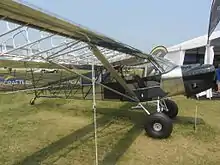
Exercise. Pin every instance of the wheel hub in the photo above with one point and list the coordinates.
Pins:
(157, 127)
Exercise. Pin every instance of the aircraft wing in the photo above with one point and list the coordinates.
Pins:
(24, 14)
(17, 12)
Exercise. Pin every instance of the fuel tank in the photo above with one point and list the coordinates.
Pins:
(188, 80)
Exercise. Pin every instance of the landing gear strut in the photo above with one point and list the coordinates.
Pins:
(157, 125)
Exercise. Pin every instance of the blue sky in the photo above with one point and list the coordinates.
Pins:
(141, 23)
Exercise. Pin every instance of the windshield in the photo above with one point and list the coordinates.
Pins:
(165, 64)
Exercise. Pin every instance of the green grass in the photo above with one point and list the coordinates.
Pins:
(60, 132)
(30, 64)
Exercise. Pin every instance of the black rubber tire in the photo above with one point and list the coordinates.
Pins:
(172, 109)
(164, 120)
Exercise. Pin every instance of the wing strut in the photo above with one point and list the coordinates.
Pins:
(109, 67)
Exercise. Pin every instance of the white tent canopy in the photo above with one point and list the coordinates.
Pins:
(176, 53)
(196, 42)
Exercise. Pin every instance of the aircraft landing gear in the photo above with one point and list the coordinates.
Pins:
(32, 101)
(170, 108)
(158, 125)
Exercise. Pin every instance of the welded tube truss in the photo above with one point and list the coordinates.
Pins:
(67, 51)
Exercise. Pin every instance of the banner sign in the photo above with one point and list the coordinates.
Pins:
(214, 16)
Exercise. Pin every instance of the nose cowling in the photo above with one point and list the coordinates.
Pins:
(198, 78)
(172, 82)
(188, 80)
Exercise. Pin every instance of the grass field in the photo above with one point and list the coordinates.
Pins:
(30, 64)
(60, 132)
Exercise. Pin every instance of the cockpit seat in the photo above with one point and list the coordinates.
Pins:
(148, 90)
